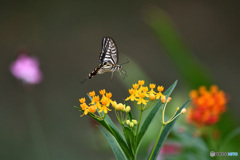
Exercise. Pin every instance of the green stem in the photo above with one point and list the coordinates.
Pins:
(139, 122)
(151, 104)
(156, 142)
(136, 105)
(163, 113)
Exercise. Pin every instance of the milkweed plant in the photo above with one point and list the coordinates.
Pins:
(125, 143)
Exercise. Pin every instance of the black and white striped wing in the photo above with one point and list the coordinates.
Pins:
(109, 52)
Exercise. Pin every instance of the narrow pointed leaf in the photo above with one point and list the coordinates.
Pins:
(114, 145)
(110, 122)
(165, 133)
(130, 138)
(110, 126)
(152, 114)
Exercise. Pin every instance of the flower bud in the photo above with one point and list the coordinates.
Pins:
(114, 104)
(163, 99)
(169, 99)
(121, 107)
(183, 110)
(127, 109)
(127, 122)
(131, 124)
(92, 109)
(152, 97)
(134, 122)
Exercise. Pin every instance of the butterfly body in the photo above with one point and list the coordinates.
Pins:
(104, 68)
(108, 59)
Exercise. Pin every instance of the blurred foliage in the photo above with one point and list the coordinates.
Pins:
(193, 72)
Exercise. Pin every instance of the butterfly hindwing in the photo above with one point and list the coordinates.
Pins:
(103, 67)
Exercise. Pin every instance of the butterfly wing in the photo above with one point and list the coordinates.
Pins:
(109, 52)
(103, 67)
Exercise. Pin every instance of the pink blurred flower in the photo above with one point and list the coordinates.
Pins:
(26, 68)
(171, 149)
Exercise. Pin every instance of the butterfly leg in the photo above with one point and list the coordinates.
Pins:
(124, 73)
(112, 76)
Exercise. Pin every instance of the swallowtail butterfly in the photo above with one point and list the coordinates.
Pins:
(108, 59)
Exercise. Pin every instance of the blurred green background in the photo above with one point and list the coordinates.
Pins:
(66, 37)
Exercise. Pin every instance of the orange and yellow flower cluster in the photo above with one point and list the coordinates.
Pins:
(102, 104)
(142, 94)
(207, 106)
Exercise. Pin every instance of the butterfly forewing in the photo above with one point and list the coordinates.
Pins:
(109, 52)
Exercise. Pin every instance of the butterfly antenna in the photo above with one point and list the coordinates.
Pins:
(83, 80)
(127, 61)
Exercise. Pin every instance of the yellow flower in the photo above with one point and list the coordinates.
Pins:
(105, 100)
(152, 86)
(141, 99)
(82, 100)
(135, 86)
(84, 106)
(145, 89)
(159, 94)
(95, 99)
(105, 109)
(92, 93)
(160, 88)
(132, 96)
(102, 92)
(109, 95)
(85, 112)
(141, 82)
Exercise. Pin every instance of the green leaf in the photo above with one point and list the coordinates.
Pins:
(109, 122)
(194, 73)
(77, 107)
(114, 145)
(130, 137)
(152, 114)
(110, 126)
(229, 137)
(165, 133)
